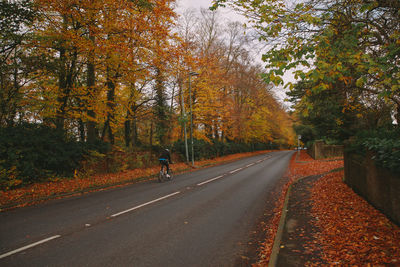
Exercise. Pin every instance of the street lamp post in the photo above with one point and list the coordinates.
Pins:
(192, 73)
(298, 141)
(184, 127)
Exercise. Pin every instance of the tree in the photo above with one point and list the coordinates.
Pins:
(348, 48)
(321, 114)
(229, 96)
(15, 61)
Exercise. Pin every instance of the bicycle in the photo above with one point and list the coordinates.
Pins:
(163, 175)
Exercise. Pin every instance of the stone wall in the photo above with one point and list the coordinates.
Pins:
(320, 150)
(377, 185)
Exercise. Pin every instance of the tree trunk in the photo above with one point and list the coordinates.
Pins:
(151, 136)
(81, 130)
(62, 84)
(160, 110)
(127, 130)
(215, 130)
(111, 107)
(135, 137)
(92, 132)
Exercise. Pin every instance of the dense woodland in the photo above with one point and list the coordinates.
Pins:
(94, 77)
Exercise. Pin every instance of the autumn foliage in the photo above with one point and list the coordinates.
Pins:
(117, 71)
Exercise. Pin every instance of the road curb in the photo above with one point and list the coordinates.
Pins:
(282, 221)
(277, 241)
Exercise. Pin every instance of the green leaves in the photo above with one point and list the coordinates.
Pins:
(32, 152)
(369, 6)
(387, 152)
(360, 82)
(271, 77)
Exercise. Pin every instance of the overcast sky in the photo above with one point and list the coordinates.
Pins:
(195, 4)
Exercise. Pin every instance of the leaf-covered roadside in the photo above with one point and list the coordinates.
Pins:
(301, 165)
(60, 188)
(352, 231)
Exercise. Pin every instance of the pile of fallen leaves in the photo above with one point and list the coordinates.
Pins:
(352, 231)
(65, 187)
(301, 165)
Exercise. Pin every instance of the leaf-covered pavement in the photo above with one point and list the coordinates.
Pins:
(352, 232)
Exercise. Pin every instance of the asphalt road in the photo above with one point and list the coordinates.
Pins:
(203, 218)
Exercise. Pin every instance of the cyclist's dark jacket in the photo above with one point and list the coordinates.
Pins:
(165, 155)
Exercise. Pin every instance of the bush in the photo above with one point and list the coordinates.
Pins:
(208, 150)
(387, 152)
(383, 142)
(33, 152)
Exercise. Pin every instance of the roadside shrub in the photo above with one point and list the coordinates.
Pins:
(383, 142)
(9, 177)
(216, 148)
(387, 152)
(34, 152)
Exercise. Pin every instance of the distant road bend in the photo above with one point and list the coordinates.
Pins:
(203, 218)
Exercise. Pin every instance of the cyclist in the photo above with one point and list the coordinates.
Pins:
(165, 159)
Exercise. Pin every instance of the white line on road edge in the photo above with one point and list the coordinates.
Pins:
(145, 204)
(236, 170)
(251, 164)
(210, 180)
(29, 246)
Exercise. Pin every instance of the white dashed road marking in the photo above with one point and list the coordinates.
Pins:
(29, 246)
(145, 204)
(210, 180)
(236, 170)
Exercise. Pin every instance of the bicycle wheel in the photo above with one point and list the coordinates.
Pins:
(161, 176)
(170, 175)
